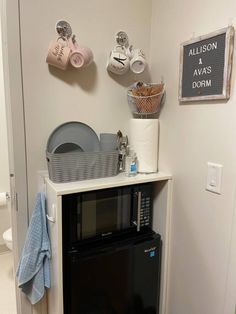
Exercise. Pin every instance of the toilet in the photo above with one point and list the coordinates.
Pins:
(7, 237)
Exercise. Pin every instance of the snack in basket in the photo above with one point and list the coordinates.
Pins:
(141, 91)
(156, 89)
(146, 98)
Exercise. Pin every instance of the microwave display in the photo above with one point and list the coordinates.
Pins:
(106, 212)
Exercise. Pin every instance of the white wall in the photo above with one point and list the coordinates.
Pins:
(4, 164)
(52, 96)
(191, 135)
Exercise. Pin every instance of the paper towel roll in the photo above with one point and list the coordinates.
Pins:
(144, 140)
(3, 199)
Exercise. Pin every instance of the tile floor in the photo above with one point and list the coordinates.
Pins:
(7, 286)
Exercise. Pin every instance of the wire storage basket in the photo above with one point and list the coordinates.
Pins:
(76, 166)
(146, 99)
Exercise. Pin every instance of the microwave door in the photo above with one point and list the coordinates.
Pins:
(88, 212)
(124, 209)
(105, 212)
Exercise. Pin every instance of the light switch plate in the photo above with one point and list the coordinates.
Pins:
(214, 177)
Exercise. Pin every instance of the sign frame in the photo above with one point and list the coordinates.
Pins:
(228, 61)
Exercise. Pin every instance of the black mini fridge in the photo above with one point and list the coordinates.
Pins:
(120, 277)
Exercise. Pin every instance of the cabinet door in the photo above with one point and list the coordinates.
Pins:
(55, 293)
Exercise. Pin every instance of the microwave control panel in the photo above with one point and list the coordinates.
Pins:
(145, 212)
(145, 203)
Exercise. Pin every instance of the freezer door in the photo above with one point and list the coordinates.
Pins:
(121, 280)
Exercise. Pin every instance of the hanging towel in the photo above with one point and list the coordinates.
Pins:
(33, 272)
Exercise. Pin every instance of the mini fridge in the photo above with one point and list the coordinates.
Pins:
(120, 277)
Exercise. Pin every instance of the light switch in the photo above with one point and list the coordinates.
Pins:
(214, 176)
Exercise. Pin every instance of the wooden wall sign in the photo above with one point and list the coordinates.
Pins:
(205, 66)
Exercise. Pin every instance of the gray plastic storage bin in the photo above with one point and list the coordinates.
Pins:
(76, 166)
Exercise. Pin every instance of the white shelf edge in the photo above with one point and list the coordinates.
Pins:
(108, 182)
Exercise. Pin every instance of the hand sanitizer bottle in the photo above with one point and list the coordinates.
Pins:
(131, 164)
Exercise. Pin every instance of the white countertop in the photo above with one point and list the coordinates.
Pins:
(109, 182)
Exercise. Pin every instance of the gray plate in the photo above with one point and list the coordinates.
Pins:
(73, 132)
(67, 148)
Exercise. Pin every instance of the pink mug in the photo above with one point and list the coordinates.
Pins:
(58, 54)
(80, 56)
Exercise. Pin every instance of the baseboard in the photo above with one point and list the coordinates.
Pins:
(3, 249)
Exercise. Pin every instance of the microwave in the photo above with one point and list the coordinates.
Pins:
(105, 213)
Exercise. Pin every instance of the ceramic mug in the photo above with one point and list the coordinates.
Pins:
(59, 54)
(80, 56)
(138, 61)
(118, 62)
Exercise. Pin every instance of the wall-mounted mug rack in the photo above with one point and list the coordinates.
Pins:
(65, 49)
(124, 57)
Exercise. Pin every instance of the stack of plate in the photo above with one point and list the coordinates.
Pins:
(73, 153)
(73, 137)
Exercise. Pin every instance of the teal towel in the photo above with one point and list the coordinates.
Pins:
(33, 271)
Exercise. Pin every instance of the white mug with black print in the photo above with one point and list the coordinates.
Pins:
(118, 62)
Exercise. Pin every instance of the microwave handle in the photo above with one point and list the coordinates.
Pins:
(139, 210)
(136, 222)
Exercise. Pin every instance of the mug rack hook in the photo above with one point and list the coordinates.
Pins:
(63, 29)
(122, 39)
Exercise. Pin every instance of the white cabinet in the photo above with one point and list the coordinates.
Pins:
(161, 224)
